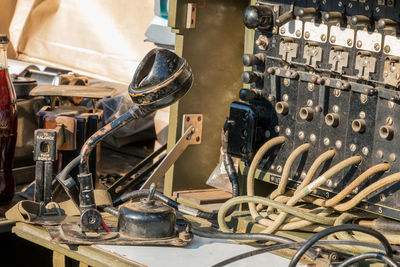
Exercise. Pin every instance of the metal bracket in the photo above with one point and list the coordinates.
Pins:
(391, 71)
(365, 64)
(192, 127)
(288, 50)
(312, 54)
(338, 59)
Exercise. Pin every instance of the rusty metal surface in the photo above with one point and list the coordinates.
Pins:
(71, 233)
(73, 91)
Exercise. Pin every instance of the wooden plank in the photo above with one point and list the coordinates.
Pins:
(90, 255)
(204, 196)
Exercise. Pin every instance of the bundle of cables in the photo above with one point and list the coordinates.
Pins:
(321, 219)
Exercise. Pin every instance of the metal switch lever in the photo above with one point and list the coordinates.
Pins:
(192, 135)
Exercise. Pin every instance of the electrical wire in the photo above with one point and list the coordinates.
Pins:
(268, 202)
(292, 246)
(368, 190)
(348, 189)
(264, 149)
(369, 255)
(286, 169)
(309, 188)
(240, 236)
(349, 227)
(327, 155)
(166, 200)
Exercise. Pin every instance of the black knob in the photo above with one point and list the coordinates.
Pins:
(251, 77)
(247, 94)
(260, 17)
(253, 60)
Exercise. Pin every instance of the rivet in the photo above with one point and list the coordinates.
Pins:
(313, 138)
(277, 129)
(336, 92)
(362, 115)
(333, 39)
(309, 102)
(267, 134)
(307, 35)
(286, 82)
(338, 144)
(391, 104)
(379, 154)
(365, 150)
(392, 157)
(359, 44)
(310, 86)
(282, 30)
(288, 131)
(335, 108)
(298, 33)
(323, 37)
(285, 97)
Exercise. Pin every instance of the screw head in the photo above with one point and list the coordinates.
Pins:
(349, 42)
(333, 39)
(301, 135)
(365, 150)
(336, 92)
(309, 102)
(288, 131)
(377, 47)
(363, 98)
(282, 30)
(279, 168)
(307, 35)
(359, 44)
(326, 141)
(298, 33)
(323, 37)
(387, 49)
(353, 147)
(389, 121)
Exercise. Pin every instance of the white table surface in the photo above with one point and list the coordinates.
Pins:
(200, 252)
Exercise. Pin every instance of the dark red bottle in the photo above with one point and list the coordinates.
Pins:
(8, 126)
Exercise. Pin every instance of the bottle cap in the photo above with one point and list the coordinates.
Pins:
(4, 39)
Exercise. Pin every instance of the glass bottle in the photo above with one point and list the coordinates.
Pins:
(8, 126)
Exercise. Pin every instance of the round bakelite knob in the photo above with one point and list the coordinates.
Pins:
(260, 17)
